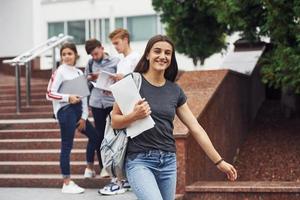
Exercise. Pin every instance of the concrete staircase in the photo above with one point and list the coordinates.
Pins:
(30, 142)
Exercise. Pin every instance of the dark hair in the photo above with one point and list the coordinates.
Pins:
(143, 64)
(120, 33)
(71, 46)
(91, 44)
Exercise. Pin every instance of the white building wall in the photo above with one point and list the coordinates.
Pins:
(24, 25)
(74, 10)
(16, 22)
(79, 10)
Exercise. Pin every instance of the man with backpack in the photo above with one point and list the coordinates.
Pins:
(100, 101)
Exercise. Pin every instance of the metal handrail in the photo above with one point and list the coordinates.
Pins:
(26, 58)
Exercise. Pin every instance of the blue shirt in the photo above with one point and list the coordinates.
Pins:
(99, 98)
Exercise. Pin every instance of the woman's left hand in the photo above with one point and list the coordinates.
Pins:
(81, 125)
(228, 169)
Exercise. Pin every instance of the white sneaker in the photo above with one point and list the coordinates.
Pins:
(111, 189)
(125, 185)
(104, 173)
(72, 188)
(88, 173)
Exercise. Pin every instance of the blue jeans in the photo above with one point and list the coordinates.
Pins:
(152, 175)
(68, 116)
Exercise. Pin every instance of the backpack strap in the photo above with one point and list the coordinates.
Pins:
(90, 63)
(137, 77)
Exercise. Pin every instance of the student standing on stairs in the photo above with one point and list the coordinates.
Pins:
(72, 113)
(120, 38)
(100, 101)
(150, 162)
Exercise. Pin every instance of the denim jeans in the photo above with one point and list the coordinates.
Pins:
(152, 175)
(68, 116)
(100, 115)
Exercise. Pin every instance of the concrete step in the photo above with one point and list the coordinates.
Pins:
(48, 180)
(38, 95)
(39, 155)
(30, 126)
(34, 84)
(33, 89)
(37, 143)
(225, 190)
(41, 101)
(33, 133)
(26, 109)
(30, 113)
(27, 115)
(38, 123)
(42, 167)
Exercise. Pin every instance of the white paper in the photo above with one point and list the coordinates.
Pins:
(105, 80)
(127, 95)
(77, 86)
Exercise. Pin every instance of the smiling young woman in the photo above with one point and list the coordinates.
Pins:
(151, 154)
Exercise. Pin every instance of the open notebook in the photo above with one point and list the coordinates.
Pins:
(105, 80)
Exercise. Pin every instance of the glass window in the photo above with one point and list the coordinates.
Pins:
(100, 34)
(107, 29)
(104, 28)
(119, 22)
(90, 29)
(142, 27)
(55, 28)
(77, 30)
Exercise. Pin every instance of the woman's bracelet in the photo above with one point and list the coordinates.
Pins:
(219, 161)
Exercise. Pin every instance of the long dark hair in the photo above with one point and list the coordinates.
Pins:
(143, 64)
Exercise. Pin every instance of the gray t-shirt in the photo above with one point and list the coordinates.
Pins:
(163, 102)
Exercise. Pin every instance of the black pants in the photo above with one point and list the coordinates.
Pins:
(100, 115)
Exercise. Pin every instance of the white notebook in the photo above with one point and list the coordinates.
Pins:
(127, 95)
(77, 86)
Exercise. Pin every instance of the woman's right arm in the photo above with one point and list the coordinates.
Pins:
(120, 121)
(53, 86)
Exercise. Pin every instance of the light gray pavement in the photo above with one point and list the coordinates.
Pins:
(55, 194)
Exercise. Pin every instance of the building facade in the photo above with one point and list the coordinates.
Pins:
(31, 22)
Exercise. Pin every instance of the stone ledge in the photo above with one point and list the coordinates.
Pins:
(245, 186)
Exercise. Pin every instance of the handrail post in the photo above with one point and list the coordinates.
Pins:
(53, 59)
(28, 83)
(26, 58)
(18, 88)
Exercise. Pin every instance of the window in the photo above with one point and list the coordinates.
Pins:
(119, 22)
(107, 29)
(55, 28)
(77, 30)
(104, 28)
(142, 27)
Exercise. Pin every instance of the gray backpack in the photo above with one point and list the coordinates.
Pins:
(114, 145)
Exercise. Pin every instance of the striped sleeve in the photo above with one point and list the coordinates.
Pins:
(53, 86)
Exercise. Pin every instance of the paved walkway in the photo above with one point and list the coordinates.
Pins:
(55, 194)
